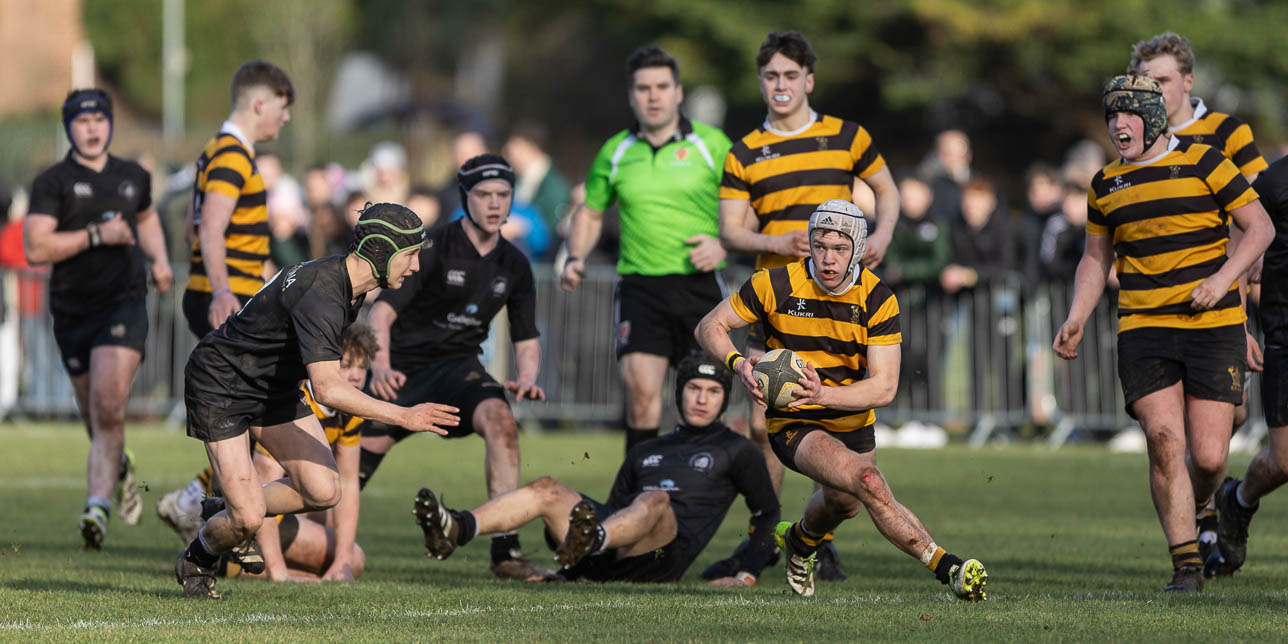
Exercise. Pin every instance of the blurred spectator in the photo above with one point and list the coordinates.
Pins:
(1082, 162)
(424, 203)
(465, 146)
(384, 174)
(287, 219)
(318, 189)
(31, 279)
(946, 171)
(1060, 247)
(539, 183)
(919, 250)
(328, 232)
(983, 247)
(1043, 191)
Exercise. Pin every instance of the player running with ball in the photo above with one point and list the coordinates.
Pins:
(844, 322)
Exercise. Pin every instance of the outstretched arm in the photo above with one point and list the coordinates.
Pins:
(335, 392)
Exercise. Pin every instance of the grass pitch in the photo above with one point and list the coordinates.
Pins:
(1069, 537)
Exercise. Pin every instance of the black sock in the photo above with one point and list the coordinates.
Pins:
(802, 542)
(198, 554)
(468, 526)
(505, 547)
(945, 567)
(367, 464)
(637, 436)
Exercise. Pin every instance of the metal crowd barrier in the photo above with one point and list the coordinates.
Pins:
(977, 361)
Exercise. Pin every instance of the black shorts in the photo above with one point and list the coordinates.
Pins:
(126, 325)
(196, 310)
(1274, 385)
(666, 564)
(657, 314)
(460, 382)
(786, 440)
(214, 414)
(1208, 362)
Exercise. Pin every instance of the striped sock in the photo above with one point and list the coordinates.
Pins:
(1186, 555)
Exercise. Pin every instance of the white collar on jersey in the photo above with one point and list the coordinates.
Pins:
(854, 279)
(231, 128)
(813, 116)
(1172, 142)
(1200, 110)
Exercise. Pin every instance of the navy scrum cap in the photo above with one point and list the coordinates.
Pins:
(479, 169)
(80, 101)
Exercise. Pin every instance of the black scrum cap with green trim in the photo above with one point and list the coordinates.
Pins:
(384, 230)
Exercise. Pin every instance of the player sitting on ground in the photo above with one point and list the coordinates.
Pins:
(841, 318)
(668, 500)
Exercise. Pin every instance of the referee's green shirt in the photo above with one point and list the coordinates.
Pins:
(664, 195)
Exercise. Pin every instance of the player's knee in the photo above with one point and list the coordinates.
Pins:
(1163, 448)
(245, 521)
(1208, 465)
(321, 491)
(871, 487)
(500, 427)
(109, 414)
(546, 486)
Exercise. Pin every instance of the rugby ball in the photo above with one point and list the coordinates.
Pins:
(777, 374)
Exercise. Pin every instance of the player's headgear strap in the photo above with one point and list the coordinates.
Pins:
(80, 101)
(699, 364)
(384, 230)
(477, 170)
(1141, 96)
(845, 218)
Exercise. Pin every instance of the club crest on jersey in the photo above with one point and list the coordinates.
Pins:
(652, 460)
(1174, 172)
(456, 277)
(498, 287)
(856, 314)
(82, 190)
(128, 190)
(822, 142)
(701, 462)
(681, 153)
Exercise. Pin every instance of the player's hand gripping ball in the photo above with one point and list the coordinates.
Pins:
(777, 374)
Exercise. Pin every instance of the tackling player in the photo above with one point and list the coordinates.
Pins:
(663, 173)
(1164, 208)
(775, 176)
(87, 211)
(245, 377)
(667, 502)
(431, 331)
(844, 322)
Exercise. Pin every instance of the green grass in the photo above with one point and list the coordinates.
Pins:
(1069, 537)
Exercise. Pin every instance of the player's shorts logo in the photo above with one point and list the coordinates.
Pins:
(117, 330)
(1236, 382)
(624, 332)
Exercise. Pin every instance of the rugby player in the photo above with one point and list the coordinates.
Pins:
(844, 322)
(1238, 500)
(92, 217)
(776, 175)
(663, 173)
(1169, 59)
(244, 377)
(431, 331)
(1164, 209)
(667, 502)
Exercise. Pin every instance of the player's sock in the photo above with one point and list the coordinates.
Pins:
(468, 526)
(803, 542)
(101, 502)
(505, 546)
(601, 537)
(940, 561)
(1185, 555)
(637, 436)
(367, 464)
(1238, 496)
(199, 553)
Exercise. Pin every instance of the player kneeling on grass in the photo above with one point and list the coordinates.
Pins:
(669, 498)
(245, 376)
(844, 322)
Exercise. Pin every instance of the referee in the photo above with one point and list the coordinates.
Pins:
(663, 172)
(92, 217)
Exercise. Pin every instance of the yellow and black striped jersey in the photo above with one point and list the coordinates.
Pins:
(829, 331)
(227, 167)
(341, 428)
(1227, 134)
(786, 176)
(1170, 226)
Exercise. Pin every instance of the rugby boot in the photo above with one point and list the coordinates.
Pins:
(93, 527)
(583, 531)
(246, 554)
(126, 495)
(523, 569)
(1232, 526)
(968, 579)
(437, 523)
(800, 568)
(197, 582)
(171, 510)
(1186, 580)
(829, 563)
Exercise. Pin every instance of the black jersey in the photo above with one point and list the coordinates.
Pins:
(297, 318)
(1272, 186)
(445, 309)
(704, 470)
(94, 280)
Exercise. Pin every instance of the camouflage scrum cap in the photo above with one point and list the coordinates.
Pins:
(845, 218)
(1141, 96)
